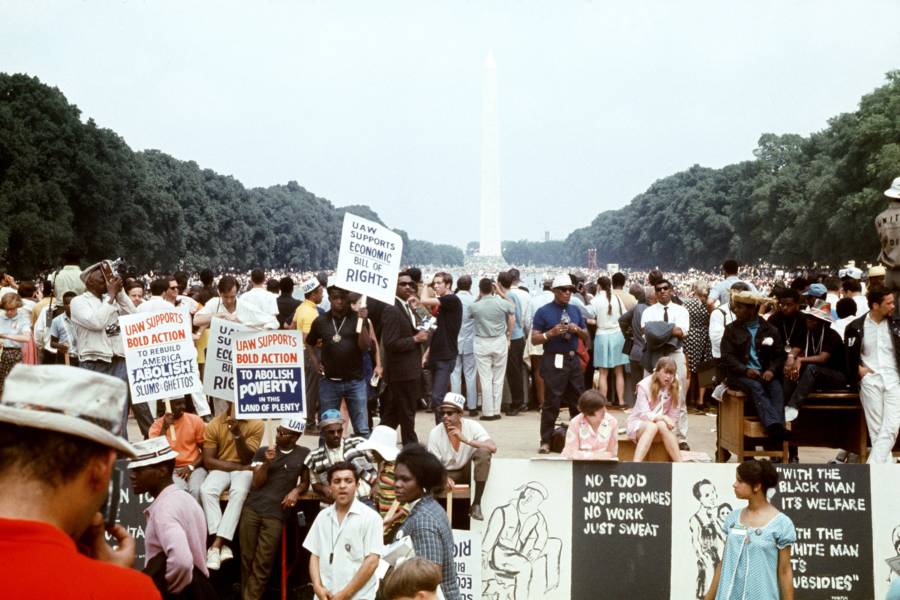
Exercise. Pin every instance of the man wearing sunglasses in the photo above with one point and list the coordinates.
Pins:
(163, 292)
(666, 311)
(403, 360)
(558, 326)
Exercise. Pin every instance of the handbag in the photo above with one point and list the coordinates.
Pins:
(627, 346)
(706, 373)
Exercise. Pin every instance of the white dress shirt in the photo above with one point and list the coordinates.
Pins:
(677, 315)
(342, 547)
(262, 300)
(878, 350)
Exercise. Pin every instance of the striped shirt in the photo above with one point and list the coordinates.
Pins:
(319, 460)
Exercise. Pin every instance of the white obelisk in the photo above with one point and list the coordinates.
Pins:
(490, 164)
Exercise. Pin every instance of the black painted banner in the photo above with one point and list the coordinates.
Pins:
(621, 530)
(831, 509)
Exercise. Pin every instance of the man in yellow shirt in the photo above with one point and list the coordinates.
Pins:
(304, 316)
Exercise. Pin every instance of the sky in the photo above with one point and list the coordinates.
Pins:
(379, 103)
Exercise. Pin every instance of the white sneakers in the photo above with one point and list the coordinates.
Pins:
(215, 557)
(790, 413)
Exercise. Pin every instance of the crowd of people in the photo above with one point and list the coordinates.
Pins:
(488, 346)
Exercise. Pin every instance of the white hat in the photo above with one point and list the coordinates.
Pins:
(151, 452)
(383, 441)
(69, 400)
(877, 271)
(457, 401)
(851, 272)
(562, 281)
(894, 190)
(293, 425)
(309, 285)
(87, 272)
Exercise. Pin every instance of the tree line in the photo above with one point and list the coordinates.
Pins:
(68, 184)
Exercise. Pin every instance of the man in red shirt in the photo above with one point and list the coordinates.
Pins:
(59, 436)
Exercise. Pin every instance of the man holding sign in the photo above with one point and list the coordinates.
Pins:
(341, 365)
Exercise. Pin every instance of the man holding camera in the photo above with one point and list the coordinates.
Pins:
(95, 320)
(59, 435)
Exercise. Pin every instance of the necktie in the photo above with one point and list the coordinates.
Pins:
(666, 314)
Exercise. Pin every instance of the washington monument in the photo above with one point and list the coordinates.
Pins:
(490, 164)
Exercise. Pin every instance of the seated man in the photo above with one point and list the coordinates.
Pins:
(176, 528)
(344, 541)
(228, 448)
(461, 444)
(818, 364)
(274, 494)
(753, 357)
(337, 449)
(185, 432)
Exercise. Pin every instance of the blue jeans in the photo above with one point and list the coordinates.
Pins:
(354, 392)
(768, 398)
(465, 368)
(440, 384)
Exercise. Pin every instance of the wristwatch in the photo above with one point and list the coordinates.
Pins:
(191, 468)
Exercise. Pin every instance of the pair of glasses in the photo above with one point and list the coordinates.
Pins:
(447, 413)
(663, 288)
(407, 284)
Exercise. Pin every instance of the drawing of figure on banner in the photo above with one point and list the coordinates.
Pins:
(894, 562)
(707, 536)
(521, 560)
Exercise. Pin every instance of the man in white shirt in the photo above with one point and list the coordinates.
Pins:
(345, 542)
(871, 342)
(163, 292)
(95, 320)
(258, 296)
(461, 444)
(667, 311)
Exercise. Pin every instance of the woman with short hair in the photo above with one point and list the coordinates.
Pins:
(15, 332)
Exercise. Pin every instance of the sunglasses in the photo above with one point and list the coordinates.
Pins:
(406, 284)
(447, 413)
(663, 288)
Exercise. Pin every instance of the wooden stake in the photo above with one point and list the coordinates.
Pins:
(270, 431)
(450, 506)
(171, 429)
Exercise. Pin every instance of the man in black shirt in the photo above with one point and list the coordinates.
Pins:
(341, 365)
(441, 355)
(287, 304)
(817, 363)
(273, 495)
(787, 320)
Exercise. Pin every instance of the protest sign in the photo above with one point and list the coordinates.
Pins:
(369, 259)
(268, 375)
(218, 375)
(160, 355)
(467, 558)
(131, 513)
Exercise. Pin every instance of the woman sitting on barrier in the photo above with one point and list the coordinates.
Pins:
(656, 411)
(593, 433)
(756, 564)
(419, 474)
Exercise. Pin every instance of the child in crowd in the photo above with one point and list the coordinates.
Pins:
(414, 579)
(593, 433)
(656, 411)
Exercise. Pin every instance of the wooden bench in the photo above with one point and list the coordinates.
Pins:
(832, 420)
(657, 451)
(735, 430)
(826, 420)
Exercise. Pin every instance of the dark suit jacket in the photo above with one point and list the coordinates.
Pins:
(402, 356)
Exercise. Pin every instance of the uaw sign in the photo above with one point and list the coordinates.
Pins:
(268, 371)
(369, 259)
(218, 376)
(160, 355)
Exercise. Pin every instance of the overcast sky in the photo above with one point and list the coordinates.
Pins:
(379, 103)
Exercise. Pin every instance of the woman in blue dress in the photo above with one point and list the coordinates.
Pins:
(756, 564)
